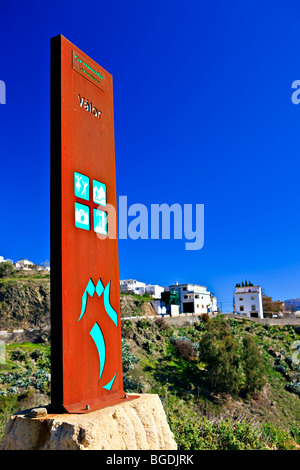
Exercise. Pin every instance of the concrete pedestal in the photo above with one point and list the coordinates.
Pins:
(139, 424)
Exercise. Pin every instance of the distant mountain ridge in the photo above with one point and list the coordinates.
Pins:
(293, 303)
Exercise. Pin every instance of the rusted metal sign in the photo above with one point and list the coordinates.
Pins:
(85, 298)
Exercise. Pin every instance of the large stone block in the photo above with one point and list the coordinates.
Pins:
(139, 424)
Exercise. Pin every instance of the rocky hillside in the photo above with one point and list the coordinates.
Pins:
(132, 306)
(25, 303)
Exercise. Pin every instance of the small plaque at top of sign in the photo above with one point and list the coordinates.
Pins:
(92, 73)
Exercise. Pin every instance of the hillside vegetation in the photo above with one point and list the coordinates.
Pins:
(224, 383)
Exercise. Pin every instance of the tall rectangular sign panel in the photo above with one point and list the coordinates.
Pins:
(85, 298)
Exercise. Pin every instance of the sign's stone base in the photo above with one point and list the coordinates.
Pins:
(139, 424)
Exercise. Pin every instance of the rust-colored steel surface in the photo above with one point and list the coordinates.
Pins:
(85, 299)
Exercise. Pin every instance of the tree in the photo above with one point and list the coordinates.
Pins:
(232, 366)
(219, 351)
(254, 369)
(6, 269)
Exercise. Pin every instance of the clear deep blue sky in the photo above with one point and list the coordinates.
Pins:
(203, 114)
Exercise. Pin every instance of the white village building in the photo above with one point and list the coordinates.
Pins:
(154, 290)
(195, 298)
(24, 265)
(248, 301)
(141, 288)
(2, 260)
(131, 285)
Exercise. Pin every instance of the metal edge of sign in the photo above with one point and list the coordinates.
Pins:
(55, 228)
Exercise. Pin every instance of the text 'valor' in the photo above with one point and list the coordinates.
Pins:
(88, 106)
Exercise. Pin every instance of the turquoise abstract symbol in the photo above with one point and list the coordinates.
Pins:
(82, 216)
(90, 289)
(109, 385)
(98, 338)
(81, 186)
(96, 332)
(99, 193)
(109, 310)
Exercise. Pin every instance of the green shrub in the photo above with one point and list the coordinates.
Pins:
(148, 346)
(130, 384)
(253, 365)
(196, 432)
(280, 438)
(163, 325)
(294, 387)
(19, 355)
(219, 351)
(186, 349)
(143, 325)
(7, 269)
(295, 433)
(129, 360)
(233, 363)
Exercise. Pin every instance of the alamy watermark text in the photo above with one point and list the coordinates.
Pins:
(2, 92)
(159, 221)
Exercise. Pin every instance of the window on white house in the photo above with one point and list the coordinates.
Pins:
(253, 307)
(241, 308)
(241, 298)
(252, 297)
(196, 296)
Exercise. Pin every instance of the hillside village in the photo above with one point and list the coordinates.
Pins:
(25, 265)
(192, 299)
(176, 299)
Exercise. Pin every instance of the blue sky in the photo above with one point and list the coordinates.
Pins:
(203, 115)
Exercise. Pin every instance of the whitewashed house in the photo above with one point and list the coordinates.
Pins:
(24, 265)
(141, 288)
(2, 260)
(131, 285)
(195, 299)
(214, 306)
(161, 309)
(42, 268)
(248, 301)
(154, 290)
